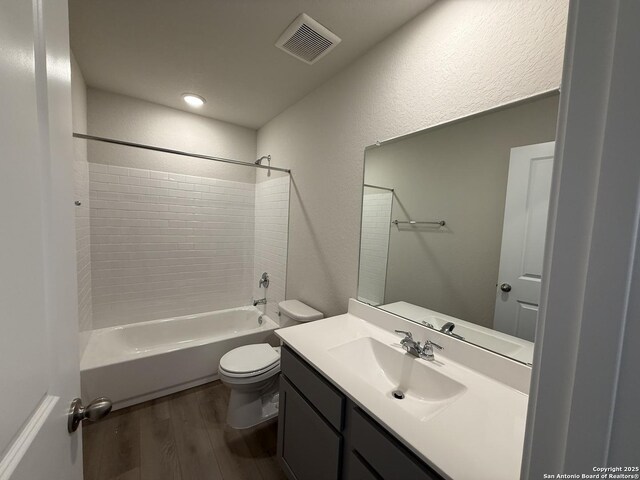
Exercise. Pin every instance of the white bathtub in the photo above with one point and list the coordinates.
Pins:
(141, 361)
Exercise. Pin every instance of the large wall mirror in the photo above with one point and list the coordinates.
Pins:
(453, 224)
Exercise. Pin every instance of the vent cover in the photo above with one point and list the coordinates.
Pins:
(307, 40)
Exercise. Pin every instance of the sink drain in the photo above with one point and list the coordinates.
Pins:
(397, 394)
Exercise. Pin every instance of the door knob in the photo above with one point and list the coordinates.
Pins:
(97, 409)
(505, 287)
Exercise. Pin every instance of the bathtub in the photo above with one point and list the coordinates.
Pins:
(141, 361)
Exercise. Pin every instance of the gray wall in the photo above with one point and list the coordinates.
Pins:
(456, 58)
(457, 173)
(126, 118)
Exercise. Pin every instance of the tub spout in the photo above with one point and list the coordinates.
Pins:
(262, 301)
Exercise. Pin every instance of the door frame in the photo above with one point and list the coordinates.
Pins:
(584, 387)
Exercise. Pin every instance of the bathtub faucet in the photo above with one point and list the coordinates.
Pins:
(262, 301)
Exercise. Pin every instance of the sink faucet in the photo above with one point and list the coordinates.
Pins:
(416, 348)
(409, 344)
(262, 301)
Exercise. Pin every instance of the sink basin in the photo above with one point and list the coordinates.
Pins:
(425, 390)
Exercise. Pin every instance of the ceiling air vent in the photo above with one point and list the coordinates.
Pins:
(307, 40)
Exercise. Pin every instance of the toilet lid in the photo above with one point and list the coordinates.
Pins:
(250, 358)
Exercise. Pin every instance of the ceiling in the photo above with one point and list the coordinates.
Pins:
(222, 50)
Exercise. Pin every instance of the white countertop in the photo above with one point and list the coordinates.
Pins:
(478, 436)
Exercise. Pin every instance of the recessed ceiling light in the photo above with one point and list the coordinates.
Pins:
(193, 100)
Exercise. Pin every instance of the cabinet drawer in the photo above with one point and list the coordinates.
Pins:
(320, 393)
(388, 457)
(308, 447)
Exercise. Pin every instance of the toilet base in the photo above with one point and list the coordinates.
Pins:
(249, 407)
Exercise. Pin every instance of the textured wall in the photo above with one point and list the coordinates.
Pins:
(271, 229)
(165, 244)
(457, 58)
(81, 193)
(374, 245)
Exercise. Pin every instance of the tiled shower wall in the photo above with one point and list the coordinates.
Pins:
(164, 244)
(83, 240)
(271, 230)
(81, 197)
(374, 246)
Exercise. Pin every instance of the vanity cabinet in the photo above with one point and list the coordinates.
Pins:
(374, 449)
(323, 435)
(308, 447)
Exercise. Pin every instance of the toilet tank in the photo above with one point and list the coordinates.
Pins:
(293, 312)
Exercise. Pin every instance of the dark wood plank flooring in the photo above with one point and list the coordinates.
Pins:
(179, 437)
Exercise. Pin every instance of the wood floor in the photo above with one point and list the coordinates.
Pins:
(181, 436)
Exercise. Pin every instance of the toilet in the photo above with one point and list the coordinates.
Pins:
(252, 372)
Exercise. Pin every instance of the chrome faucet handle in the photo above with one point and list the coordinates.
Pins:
(406, 334)
(426, 351)
(407, 340)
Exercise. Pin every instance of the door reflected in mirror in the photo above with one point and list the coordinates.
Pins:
(454, 222)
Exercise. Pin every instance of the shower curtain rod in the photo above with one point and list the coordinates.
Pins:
(381, 188)
(176, 152)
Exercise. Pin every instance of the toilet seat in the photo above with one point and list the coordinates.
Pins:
(256, 379)
(250, 361)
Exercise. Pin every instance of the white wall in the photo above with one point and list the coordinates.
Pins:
(81, 192)
(457, 58)
(126, 118)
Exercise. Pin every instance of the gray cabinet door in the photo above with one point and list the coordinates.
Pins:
(308, 447)
(360, 470)
(314, 387)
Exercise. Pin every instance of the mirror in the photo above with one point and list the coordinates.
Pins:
(454, 221)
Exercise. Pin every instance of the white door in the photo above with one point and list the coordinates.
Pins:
(38, 314)
(523, 234)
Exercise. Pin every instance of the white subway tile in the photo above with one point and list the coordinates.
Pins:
(168, 243)
(135, 172)
(118, 170)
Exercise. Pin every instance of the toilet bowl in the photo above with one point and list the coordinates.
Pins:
(252, 372)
